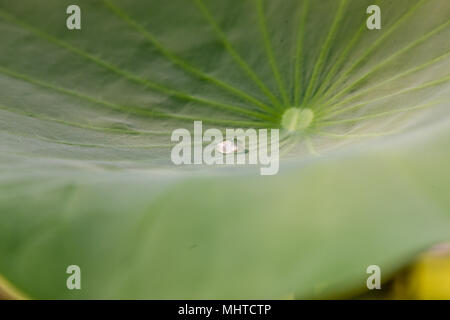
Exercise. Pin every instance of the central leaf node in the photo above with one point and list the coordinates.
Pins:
(295, 119)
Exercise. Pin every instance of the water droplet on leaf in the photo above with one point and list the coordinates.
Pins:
(227, 147)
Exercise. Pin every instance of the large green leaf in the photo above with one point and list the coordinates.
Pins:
(85, 123)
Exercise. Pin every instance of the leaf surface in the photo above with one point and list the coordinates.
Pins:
(85, 124)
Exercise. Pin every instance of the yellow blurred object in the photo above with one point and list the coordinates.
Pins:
(9, 292)
(428, 279)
